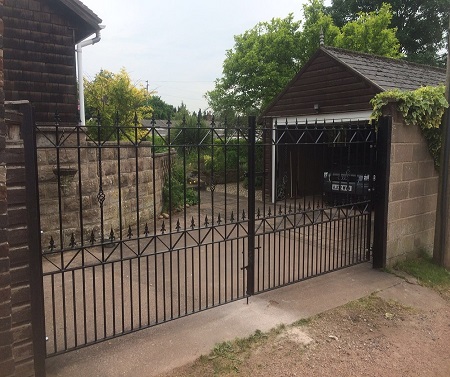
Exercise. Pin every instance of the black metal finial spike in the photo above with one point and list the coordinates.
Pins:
(130, 232)
(178, 227)
(92, 238)
(280, 211)
(219, 219)
(163, 227)
(243, 215)
(112, 237)
(309, 205)
(270, 212)
(213, 121)
(72, 241)
(116, 119)
(232, 217)
(146, 230)
(206, 221)
(51, 245)
(199, 117)
(135, 120)
(57, 117)
(192, 223)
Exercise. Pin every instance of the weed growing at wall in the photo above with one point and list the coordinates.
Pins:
(423, 107)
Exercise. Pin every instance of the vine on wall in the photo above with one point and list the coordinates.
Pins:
(423, 107)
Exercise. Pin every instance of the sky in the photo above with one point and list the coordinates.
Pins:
(178, 46)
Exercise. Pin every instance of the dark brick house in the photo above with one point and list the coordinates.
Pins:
(37, 64)
(39, 53)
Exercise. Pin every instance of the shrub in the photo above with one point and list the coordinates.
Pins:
(175, 192)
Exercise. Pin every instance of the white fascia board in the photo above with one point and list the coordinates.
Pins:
(325, 118)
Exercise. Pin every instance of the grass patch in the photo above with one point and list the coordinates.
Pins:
(426, 271)
(376, 305)
(226, 357)
(302, 322)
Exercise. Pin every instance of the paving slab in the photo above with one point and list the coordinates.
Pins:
(161, 348)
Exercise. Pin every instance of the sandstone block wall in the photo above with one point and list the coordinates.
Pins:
(129, 178)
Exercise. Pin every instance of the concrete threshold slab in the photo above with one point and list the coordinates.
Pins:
(161, 348)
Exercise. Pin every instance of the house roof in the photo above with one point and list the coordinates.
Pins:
(388, 73)
(91, 22)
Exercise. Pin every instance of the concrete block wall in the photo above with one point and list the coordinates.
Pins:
(412, 191)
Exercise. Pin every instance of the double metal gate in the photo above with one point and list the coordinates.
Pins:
(142, 226)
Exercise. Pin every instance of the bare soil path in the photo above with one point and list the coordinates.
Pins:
(401, 331)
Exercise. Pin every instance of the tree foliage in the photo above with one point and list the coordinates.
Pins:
(161, 109)
(114, 97)
(371, 33)
(260, 63)
(265, 58)
(420, 24)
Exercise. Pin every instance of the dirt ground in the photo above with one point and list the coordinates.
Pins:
(374, 336)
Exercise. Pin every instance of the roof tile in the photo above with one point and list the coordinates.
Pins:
(388, 73)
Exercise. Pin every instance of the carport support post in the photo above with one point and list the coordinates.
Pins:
(251, 206)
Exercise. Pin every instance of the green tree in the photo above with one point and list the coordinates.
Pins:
(420, 24)
(261, 62)
(189, 132)
(316, 23)
(371, 33)
(161, 109)
(114, 97)
(267, 56)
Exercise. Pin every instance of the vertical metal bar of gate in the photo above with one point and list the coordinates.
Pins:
(251, 206)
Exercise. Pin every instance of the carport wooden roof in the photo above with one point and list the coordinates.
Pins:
(337, 81)
(389, 73)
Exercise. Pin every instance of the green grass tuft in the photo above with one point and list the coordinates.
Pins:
(426, 271)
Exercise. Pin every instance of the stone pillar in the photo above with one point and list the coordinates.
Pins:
(413, 187)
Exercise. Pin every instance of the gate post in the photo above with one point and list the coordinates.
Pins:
(384, 134)
(251, 206)
(34, 239)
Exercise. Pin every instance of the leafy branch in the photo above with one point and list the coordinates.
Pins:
(423, 107)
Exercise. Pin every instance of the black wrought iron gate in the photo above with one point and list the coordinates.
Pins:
(140, 226)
